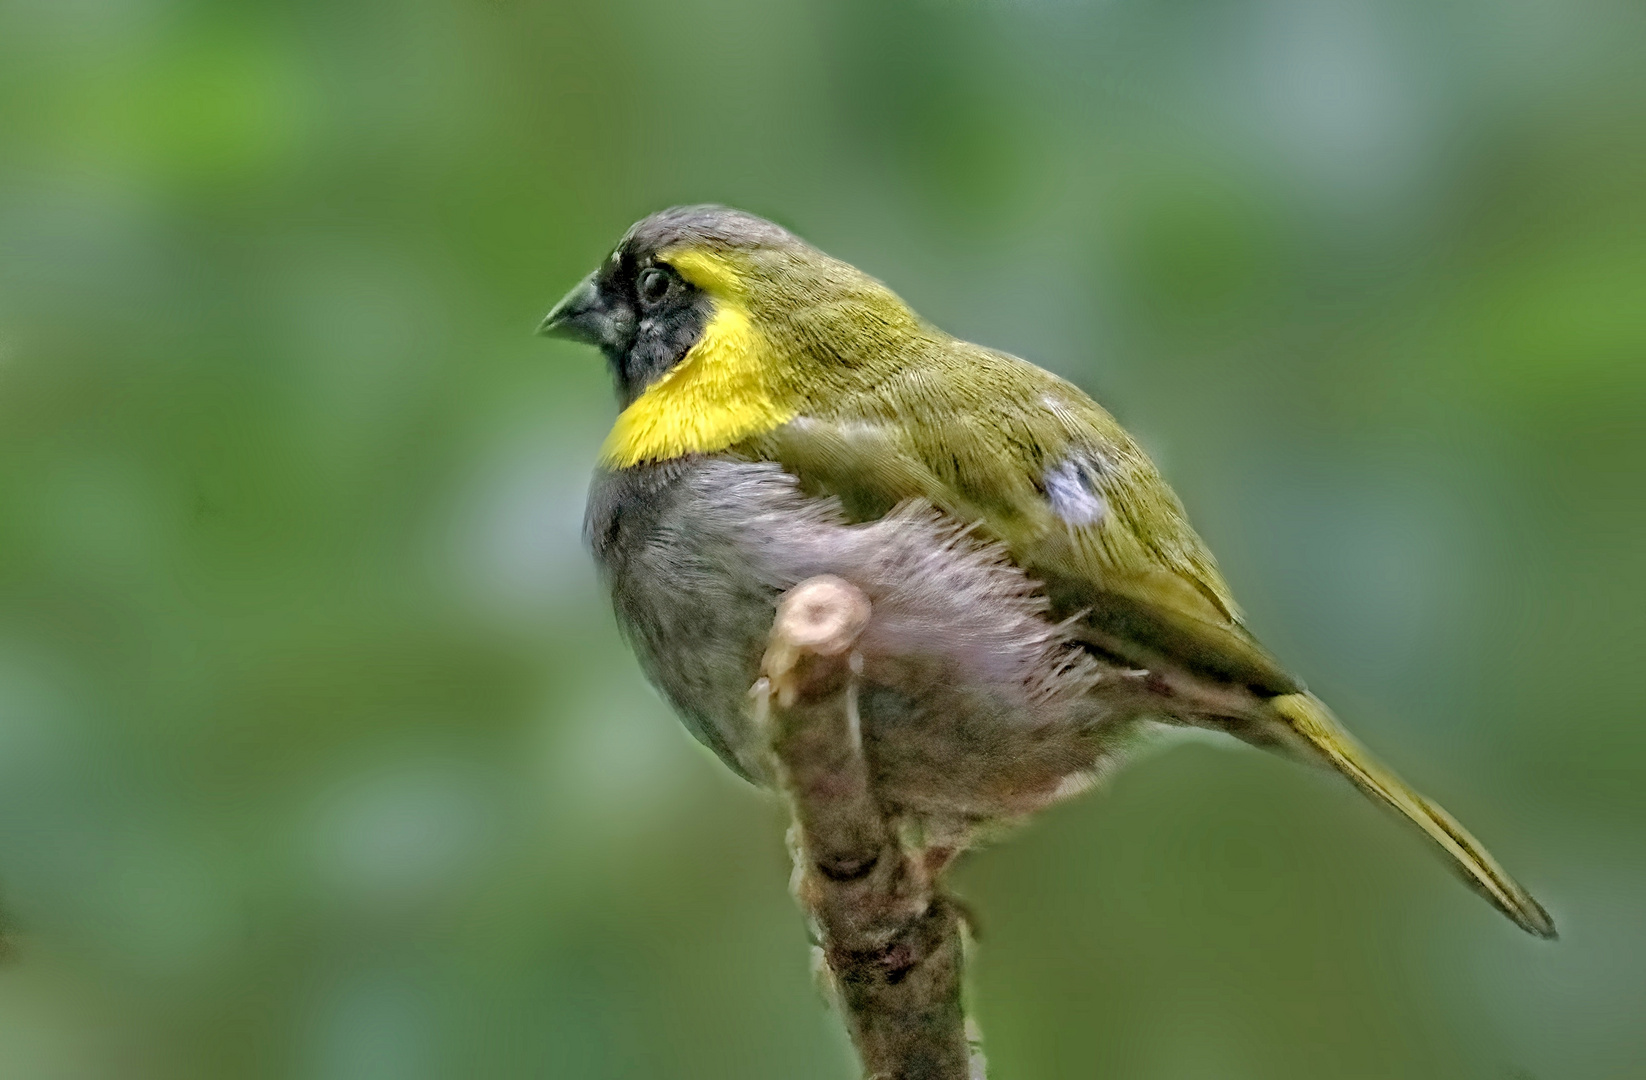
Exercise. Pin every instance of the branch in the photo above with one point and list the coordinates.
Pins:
(893, 943)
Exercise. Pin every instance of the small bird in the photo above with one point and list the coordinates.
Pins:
(784, 414)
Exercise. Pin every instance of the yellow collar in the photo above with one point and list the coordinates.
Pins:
(719, 394)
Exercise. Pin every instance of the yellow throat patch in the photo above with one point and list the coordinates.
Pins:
(718, 395)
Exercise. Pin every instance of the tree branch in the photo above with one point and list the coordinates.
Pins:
(893, 943)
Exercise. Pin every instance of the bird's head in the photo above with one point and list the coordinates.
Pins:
(651, 300)
(695, 276)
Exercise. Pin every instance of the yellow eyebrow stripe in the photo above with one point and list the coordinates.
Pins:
(718, 395)
(714, 274)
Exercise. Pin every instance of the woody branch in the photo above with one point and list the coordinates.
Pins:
(892, 942)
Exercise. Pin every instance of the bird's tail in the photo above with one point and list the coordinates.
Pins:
(1308, 718)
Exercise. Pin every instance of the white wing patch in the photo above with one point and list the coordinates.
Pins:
(1075, 490)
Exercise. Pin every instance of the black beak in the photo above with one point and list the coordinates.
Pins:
(580, 316)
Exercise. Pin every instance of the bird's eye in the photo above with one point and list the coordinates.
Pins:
(653, 285)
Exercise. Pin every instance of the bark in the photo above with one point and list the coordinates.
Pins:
(892, 941)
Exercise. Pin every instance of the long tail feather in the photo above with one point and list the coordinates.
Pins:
(1309, 718)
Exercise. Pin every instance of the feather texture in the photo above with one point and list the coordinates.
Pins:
(1036, 586)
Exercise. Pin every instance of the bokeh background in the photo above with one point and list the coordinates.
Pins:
(320, 756)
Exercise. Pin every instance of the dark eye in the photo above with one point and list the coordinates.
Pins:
(653, 285)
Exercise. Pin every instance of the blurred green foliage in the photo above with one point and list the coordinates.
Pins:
(320, 757)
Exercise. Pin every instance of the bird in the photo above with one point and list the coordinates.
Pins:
(782, 413)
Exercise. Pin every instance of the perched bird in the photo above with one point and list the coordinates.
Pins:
(784, 414)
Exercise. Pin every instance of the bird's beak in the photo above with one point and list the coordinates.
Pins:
(580, 316)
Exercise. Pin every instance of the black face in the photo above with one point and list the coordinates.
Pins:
(644, 316)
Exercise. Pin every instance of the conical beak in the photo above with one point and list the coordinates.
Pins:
(578, 316)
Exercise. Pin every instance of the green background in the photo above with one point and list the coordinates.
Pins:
(320, 756)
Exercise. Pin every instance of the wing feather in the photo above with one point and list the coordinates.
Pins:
(1045, 470)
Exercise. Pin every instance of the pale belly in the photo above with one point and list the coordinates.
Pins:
(990, 715)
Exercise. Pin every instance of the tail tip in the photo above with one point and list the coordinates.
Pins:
(1535, 921)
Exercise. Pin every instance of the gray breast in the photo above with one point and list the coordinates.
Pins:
(679, 545)
(976, 682)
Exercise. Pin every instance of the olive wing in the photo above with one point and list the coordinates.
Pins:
(1038, 465)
